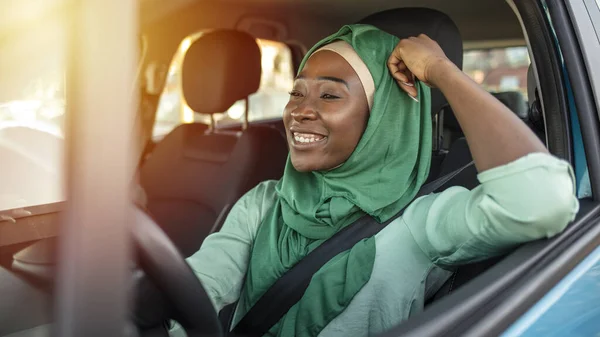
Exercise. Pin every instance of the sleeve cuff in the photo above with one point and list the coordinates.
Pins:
(525, 163)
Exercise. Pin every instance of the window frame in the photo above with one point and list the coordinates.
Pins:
(93, 282)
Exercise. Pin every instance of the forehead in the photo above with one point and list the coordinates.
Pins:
(328, 63)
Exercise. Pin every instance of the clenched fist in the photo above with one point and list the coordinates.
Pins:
(419, 57)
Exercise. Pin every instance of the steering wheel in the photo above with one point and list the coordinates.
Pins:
(163, 264)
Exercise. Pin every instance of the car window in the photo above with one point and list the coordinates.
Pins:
(498, 69)
(268, 102)
(32, 107)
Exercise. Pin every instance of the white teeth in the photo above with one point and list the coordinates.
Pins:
(305, 138)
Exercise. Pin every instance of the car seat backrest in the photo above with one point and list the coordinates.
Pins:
(458, 156)
(407, 22)
(195, 174)
(513, 100)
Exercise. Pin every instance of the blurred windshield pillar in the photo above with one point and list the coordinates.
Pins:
(91, 296)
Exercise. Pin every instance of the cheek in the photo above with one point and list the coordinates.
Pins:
(287, 112)
(345, 133)
(352, 140)
(360, 124)
(349, 127)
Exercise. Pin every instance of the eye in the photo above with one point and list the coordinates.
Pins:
(295, 93)
(329, 96)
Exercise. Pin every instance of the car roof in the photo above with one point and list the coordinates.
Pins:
(308, 20)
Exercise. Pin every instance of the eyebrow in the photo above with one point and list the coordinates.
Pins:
(326, 78)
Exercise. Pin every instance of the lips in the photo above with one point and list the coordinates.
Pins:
(303, 138)
(307, 138)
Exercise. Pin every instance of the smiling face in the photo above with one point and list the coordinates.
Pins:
(327, 113)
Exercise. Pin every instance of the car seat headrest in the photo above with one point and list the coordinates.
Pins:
(536, 116)
(407, 22)
(220, 68)
(515, 101)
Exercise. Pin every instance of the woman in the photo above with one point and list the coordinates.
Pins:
(359, 129)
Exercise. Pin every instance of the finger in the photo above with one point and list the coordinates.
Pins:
(402, 66)
(398, 72)
(401, 76)
(393, 60)
(413, 92)
(392, 64)
(410, 77)
(410, 90)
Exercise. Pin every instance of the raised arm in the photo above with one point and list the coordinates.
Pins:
(496, 136)
(525, 193)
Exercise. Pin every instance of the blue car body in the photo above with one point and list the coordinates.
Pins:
(571, 308)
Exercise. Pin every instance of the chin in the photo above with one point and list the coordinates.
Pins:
(302, 165)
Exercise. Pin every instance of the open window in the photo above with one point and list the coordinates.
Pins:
(498, 69)
(32, 107)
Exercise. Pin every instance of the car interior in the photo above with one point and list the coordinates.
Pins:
(195, 173)
(168, 193)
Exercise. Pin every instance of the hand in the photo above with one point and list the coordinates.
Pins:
(416, 57)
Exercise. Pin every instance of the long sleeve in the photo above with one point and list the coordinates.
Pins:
(530, 198)
(222, 261)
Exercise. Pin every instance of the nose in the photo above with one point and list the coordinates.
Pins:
(304, 111)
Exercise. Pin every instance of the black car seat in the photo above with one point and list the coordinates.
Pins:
(407, 22)
(196, 173)
(459, 155)
(514, 100)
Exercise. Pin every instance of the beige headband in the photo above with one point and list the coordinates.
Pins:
(345, 50)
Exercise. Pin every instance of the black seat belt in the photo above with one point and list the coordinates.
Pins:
(290, 287)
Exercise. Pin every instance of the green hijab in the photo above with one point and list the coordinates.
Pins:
(383, 174)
